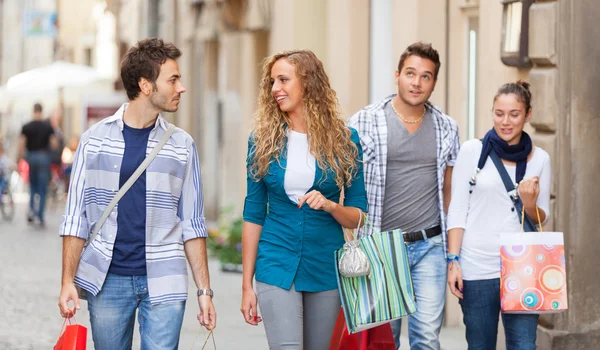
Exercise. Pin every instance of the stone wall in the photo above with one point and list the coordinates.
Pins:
(563, 46)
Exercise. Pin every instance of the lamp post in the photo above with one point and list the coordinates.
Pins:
(515, 33)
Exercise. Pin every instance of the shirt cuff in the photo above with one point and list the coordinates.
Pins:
(76, 226)
(194, 228)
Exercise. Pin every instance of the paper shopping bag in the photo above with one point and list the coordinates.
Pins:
(533, 275)
(74, 337)
(384, 295)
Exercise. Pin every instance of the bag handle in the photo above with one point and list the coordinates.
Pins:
(512, 192)
(210, 334)
(127, 185)
(351, 236)
(538, 216)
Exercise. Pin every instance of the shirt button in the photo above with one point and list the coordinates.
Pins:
(115, 166)
(299, 222)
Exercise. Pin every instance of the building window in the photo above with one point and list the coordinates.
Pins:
(473, 34)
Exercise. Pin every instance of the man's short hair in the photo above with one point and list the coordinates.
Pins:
(422, 50)
(37, 108)
(143, 61)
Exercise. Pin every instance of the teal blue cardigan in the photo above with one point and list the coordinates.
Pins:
(297, 246)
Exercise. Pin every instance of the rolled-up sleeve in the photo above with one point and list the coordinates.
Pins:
(454, 148)
(191, 203)
(255, 204)
(74, 222)
(355, 195)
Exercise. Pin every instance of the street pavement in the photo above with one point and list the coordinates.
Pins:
(30, 272)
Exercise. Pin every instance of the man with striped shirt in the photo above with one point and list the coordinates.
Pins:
(137, 262)
(409, 149)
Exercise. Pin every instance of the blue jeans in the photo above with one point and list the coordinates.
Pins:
(39, 176)
(112, 315)
(481, 306)
(428, 271)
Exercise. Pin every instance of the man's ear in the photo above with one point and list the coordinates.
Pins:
(145, 86)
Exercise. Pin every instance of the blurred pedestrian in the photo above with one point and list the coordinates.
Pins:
(67, 158)
(36, 143)
(137, 261)
(301, 157)
(6, 167)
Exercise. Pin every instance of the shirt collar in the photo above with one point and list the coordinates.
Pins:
(118, 118)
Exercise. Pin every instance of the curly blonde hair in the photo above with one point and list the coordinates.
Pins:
(328, 137)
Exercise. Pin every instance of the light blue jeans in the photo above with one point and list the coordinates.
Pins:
(112, 316)
(428, 271)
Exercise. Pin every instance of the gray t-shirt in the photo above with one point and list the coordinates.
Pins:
(411, 188)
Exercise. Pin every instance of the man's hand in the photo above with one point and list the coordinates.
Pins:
(455, 281)
(68, 293)
(207, 316)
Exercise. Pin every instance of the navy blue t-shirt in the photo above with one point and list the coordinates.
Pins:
(129, 252)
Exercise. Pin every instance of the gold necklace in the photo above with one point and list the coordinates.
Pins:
(406, 120)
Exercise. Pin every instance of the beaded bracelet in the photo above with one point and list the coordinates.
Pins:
(452, 257)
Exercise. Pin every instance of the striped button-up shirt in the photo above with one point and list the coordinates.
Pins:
(372, 128)
(174, 206)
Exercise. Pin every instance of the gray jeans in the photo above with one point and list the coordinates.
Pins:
(297, 320)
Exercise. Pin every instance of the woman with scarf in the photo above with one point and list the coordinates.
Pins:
(481, 208)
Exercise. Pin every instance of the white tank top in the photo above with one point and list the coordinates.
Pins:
(301, 165)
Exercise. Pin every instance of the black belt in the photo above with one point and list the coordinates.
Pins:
(419, 235)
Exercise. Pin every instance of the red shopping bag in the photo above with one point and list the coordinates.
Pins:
(23, 167)
(74, 337)
(377, 338)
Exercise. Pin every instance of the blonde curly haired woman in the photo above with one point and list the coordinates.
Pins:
(301, 157)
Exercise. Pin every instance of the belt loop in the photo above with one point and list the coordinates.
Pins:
(424, 235)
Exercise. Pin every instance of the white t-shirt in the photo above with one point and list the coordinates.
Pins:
(301, 166)
(486, 212)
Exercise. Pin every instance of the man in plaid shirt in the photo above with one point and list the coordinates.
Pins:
(409, 149)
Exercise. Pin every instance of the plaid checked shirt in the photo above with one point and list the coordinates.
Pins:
(372, 129)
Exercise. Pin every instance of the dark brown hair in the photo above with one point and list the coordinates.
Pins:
(520, 89)
(422, 50)
(37, 108)
(143, 61)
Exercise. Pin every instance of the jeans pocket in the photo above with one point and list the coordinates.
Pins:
(436, 241)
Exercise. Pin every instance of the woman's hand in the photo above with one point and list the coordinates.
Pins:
(529, 190)
(455, 280)
(248, 309)
(316, 201)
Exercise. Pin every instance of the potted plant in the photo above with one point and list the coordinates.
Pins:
(226, 243)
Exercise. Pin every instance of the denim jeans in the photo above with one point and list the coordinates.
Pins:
(428, 271)
(39, 177)
(112, 315)
(481, 306)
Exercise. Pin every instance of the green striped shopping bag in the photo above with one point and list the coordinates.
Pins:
(387, 293)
